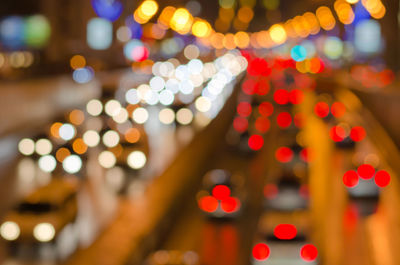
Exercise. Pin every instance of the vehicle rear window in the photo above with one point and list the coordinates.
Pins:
(35, 207)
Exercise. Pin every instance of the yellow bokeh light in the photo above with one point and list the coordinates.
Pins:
(229, 41)
(290, 29)
(76, 117)
(55, 127)
(380, 14)
(253, 41)
(217, 40)
(371, 5)
(181, 21)
(325, 18)
(149, 8)
(242, 39)
(264, 39)
(278, 34)
(245, 14)
(165, 16)
(375, 7)
(302, 66)
(201, 28)
(132, 135)
(346, 16)
(301, 26)
(62, 153)
(139, 19)
(205, 41)
(344, 11)
(313, 23)
(145, 11)
(77, 61)
(79, 146)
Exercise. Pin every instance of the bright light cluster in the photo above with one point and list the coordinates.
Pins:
(145, 11)
(301, 26)
(51, 151)
(197, 83)
(375, 7)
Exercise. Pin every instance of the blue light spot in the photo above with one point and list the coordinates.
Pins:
(108, 9)
(12, 32)
(136, 28)
(83, 75)
(298, 53)
(360, 13)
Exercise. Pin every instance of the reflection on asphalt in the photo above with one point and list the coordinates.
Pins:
(220, 244)
(222, 241)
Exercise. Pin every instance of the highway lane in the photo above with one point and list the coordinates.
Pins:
(229, 242)
(343, 235)
(218, 241)
(346, 236)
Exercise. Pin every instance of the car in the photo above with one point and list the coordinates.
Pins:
(365, 196)
(345, 136)
(133, 142)
(283, 228)
(276, 251)
(287, 195)
(364, 187)
(294, 159)
(221, 195)
(43, 214)
(346, 144)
